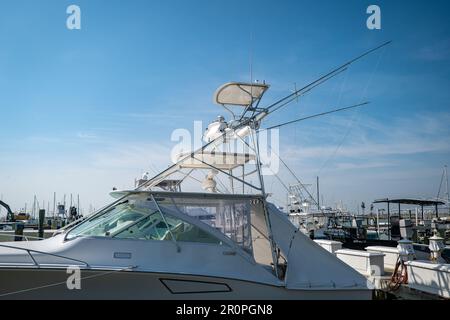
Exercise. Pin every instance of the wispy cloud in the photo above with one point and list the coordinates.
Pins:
(138, 156)
(87, 135)
(153, 115)
(43, 139)
(364, 165)
(374, 140)
(371, 149)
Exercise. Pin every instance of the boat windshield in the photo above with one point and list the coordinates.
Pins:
(143, 221)
(172, 216)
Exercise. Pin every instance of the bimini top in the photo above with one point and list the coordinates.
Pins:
(239, 94)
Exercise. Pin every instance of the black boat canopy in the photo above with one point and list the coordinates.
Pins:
(418, 202)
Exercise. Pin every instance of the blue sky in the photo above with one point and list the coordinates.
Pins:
(85, 110)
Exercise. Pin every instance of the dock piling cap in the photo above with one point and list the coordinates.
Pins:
(239, 93)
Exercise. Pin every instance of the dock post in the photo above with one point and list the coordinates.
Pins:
(378, 223)
(41, 223)
(417, 216)
(18, 231)
(389, 221)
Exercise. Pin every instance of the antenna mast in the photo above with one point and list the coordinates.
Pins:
(447, 194)
(251, 59)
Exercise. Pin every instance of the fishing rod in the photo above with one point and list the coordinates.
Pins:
(318, 115)
(322, 79)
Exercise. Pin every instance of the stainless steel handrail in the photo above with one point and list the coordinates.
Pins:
(29, 251)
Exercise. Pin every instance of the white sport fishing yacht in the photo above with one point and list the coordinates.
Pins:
(164, 241)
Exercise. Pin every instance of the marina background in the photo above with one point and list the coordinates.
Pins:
(154, 65)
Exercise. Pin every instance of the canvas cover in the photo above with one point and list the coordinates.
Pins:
(240, 94)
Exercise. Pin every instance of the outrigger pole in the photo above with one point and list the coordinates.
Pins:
(317, 115)
(293, 96)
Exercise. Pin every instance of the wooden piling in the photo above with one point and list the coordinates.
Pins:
(41, 223)
(18, 231)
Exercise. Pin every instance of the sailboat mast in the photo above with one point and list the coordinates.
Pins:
(54, 203)
(34, 207)
(446, 189)
(318, 199)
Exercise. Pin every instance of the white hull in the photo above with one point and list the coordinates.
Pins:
(50, 284)
(148, 268)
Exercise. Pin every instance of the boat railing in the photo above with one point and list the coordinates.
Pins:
(30, 251)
